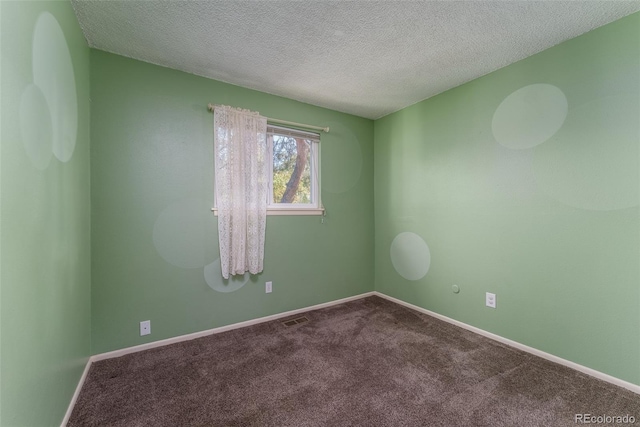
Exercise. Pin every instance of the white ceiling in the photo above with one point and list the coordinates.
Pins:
(368, 58)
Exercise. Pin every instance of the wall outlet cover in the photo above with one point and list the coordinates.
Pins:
(145, 327)
(268, 287)
(490, 300)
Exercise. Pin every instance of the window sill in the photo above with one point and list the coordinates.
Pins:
(287, 211)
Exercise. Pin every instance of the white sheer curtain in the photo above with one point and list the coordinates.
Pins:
(241, 174)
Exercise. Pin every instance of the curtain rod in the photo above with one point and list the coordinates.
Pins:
(210, 107)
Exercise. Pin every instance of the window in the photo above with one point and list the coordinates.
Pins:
(294, 181)
(295, 185)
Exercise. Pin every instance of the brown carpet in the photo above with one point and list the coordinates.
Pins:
(364, 363)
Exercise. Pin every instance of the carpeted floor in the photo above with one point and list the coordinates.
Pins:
(364, 363)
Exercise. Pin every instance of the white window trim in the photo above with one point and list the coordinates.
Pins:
(275, 209)
(287, 211)
(294, 208)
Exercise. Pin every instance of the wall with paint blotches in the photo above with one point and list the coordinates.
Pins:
(45, 211)
(154, 237)
(524, 183)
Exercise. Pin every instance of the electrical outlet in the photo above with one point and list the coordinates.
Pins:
(490, 300)
(268, 287)
(145, 327)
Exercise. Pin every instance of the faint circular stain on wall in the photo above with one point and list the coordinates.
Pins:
(513, 173)
(341, 159)
(183, 234)
(410, 256)
(594, 159)
(35, 126)
(529, 116)
(53, 74)
(213, 277)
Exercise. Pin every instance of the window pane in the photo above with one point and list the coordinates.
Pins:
(291, 170)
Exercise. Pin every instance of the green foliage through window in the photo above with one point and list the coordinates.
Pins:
(292, 163)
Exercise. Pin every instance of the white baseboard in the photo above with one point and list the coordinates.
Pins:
(142, 347)
(592, 372)
(122, 352)
(117, 353)
(74, 398)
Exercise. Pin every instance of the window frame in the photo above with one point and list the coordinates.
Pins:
(313, 208)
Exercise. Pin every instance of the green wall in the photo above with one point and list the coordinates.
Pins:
(153, 234)
(524, 183)
(534, 199)
(45, 245)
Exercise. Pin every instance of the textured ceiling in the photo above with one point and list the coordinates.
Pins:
(367, 58)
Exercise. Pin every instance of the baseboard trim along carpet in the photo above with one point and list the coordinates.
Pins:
(161, 343)
(187, 337)
(74, 398)
(585, 370)
(121, 352)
